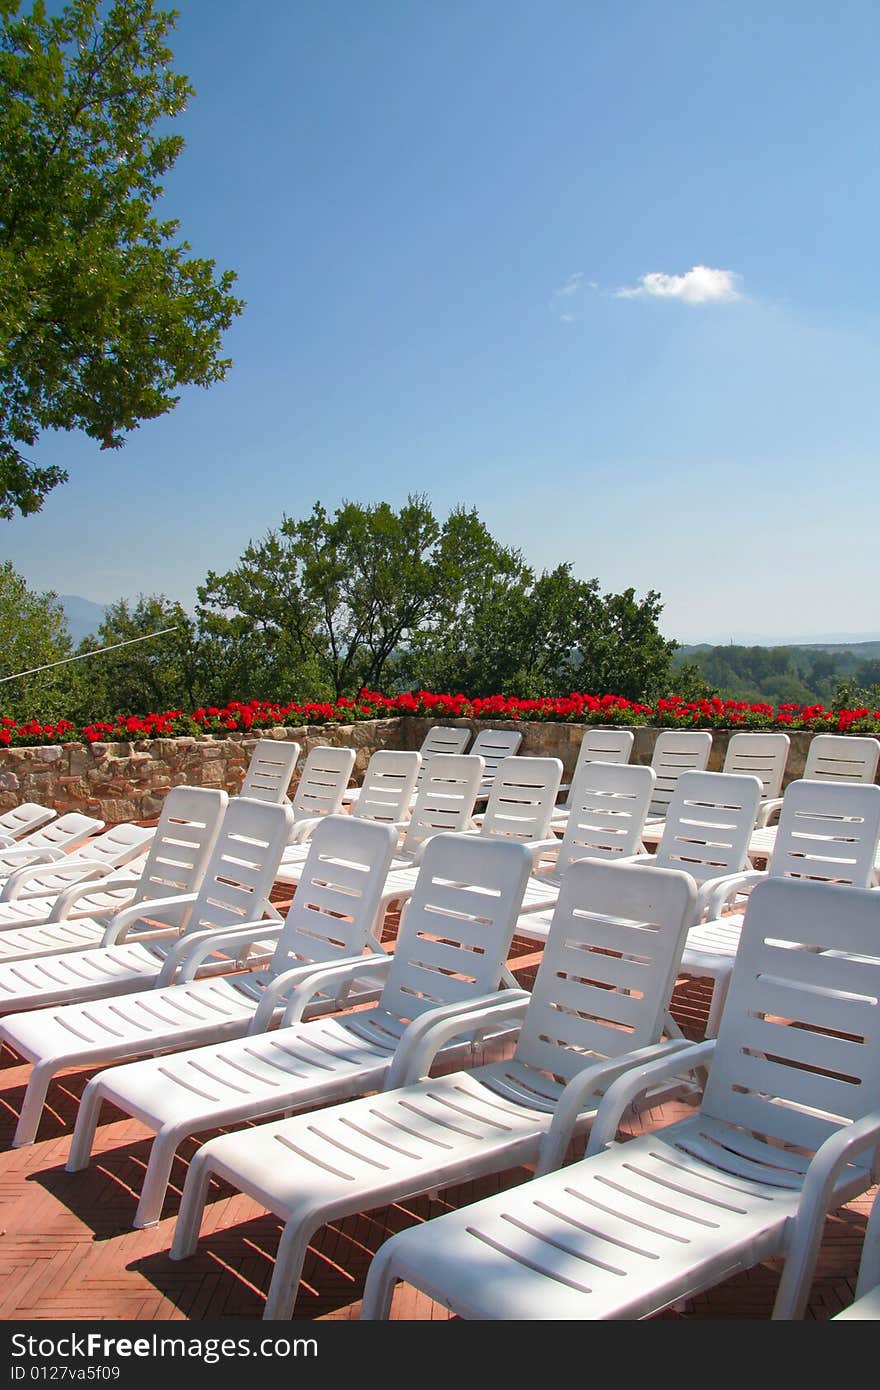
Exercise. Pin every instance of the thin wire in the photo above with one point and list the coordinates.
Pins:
(82, 656)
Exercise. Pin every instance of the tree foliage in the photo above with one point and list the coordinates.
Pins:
(104, 314)
(33, 632)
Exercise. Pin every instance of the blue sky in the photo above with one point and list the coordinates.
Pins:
(469, 234)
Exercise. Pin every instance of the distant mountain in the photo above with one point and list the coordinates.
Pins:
(842, 641)
(862, 646)
(83, 616)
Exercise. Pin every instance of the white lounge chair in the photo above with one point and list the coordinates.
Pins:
(706, 832)
(78, 917)
(602, 990)
(21, 820)
(450, 953)
(493, 746)
(827, 832)
(99, 856)
(637, 1226)
(749, 753)
(440, 738)
(676, 751)
(321, 787)
(609, 802)
(519, 808)
(268, 774)
(385, 799)
(830, 758)
(330, 918)
(597, 746)
(444, 803)
(235, 890)
(50, 843)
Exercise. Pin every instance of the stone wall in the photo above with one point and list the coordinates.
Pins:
(128, 781)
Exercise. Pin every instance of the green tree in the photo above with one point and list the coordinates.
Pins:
(33, 632)
(158, 674)
(345, 595)
(103, 313)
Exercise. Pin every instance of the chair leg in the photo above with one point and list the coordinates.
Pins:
(379, 1288)
(32, 1108)
(157, 1176)
(719, 996)
(292, 1248)
(85, 1127)
(192, 1205)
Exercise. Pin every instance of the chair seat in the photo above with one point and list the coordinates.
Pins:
(51, 939)
(589, 1241)
(133, 1023)
(247, 1077)
(377, 1148)
(35, 984)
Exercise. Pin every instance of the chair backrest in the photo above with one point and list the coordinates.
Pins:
(241, 870)
(21, 820)
(827, 830)
(842, 758)
(455, 930)
(709, 823)
(677, 751)
(323, 781)
(441, 738)
(388, 786)
(762, 755)
(602, 746)
(65, 833)
(445, 799)
(522, 799)
(609, 803)
(493, 746)
(269, 771)
(607, 970)
(184, 839)
(337, 897)
(798, 1048)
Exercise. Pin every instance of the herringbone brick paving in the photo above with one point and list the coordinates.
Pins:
(69, 1252)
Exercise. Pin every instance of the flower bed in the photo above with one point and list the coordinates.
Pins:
(575, 708)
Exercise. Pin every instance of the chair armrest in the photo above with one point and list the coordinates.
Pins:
(303, 982)
(68, 897)
(118, 929)
(717, 893)
(194, 948)
(641, 858)
(27, 857)
(621, 1093)
(572, 1104)
(25, 874)
(805, 1237)
(768, 810)
(83, 870)
(543, 848)
(424, 1037)
(301, 830)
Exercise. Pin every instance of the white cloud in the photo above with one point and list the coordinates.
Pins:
(572, 285)
(563, 300)
(701, 285)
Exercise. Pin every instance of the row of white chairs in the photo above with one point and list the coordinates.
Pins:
(593, 1038)
(456, 888)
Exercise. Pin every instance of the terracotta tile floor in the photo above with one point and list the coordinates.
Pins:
(68, 1250)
